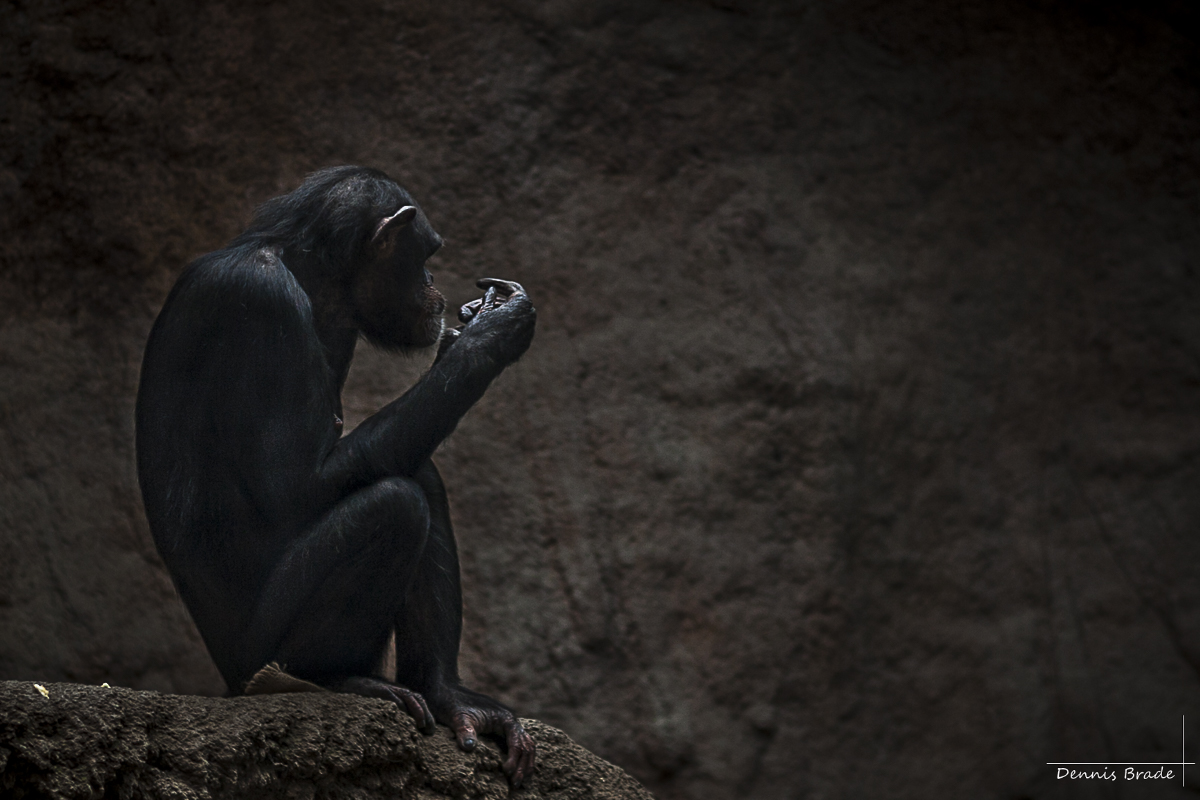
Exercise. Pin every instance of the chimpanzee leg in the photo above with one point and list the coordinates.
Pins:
(429, 620)
(428, 628)
(329, 606)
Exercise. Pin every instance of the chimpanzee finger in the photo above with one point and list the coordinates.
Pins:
(521, 752)
(469, 310)
(417, 709)
(489, 300)
(465, 731)
(509, 288)
(430, 726)
(529, 761)
(424, 716)
(449, 337)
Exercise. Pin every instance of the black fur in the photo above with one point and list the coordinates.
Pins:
(288, 541)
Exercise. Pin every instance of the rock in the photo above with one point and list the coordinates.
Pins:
(87, 741)
(857, 453)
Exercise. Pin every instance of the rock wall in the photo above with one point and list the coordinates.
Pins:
(857, 450)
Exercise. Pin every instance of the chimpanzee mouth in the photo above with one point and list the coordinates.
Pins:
(433, 301)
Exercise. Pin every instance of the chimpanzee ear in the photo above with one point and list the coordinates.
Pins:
(388, 226)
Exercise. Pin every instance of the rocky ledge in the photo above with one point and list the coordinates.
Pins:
(65, 740)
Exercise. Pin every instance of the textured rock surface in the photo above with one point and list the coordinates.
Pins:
(86, 741)
(857, 452)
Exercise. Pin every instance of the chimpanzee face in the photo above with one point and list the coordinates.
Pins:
(395, 303)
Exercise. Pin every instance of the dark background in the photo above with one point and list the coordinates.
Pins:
(858, 451)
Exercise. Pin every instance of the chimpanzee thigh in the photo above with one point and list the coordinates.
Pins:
(337, 590)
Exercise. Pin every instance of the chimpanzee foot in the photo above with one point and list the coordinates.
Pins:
(471, 714)
(410, 701)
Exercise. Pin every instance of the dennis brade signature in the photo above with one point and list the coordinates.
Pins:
(1125, 770)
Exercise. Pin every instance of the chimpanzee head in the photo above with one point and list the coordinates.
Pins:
(358, 244)
(392, 295)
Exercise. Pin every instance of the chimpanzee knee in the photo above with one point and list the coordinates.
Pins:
(389, 518)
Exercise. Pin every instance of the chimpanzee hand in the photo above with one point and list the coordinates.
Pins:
(501, 322)
(470, 714)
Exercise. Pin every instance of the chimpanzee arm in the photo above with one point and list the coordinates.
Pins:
(402, 436)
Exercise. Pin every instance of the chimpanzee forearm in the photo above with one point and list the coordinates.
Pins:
(403, 435)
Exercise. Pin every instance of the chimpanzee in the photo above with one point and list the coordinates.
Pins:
(288, 541)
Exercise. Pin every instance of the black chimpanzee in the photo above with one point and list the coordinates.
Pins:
(287, 541)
